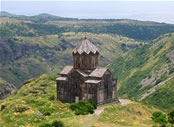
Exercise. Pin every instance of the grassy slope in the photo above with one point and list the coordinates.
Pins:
(148, 63)
(35, 97)
(55, 53)
(134, 115)
(163, 97)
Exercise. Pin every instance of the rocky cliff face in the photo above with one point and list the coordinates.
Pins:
(6, 88)
(10, 51)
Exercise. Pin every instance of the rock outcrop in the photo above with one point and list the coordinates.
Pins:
(6, 89)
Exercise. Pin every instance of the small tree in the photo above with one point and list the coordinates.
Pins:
(83, 107)
(57, 124)
(160, 118)
(171, 118)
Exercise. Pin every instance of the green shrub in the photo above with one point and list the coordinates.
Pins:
(158, 81)
(163, 78)
(171, 70)
(157, 50)
(57, 124)
(44, 85)
(46, 111)
(52, 97)
(171, 118)
(160, 118)
(83, 107)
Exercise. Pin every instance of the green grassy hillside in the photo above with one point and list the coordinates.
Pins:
(148, 70)
(164, 96)
(22, 58)
(35, 104)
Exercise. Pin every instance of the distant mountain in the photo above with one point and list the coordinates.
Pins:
(7, 14)
(45, 15)
(147, 73)
(42, 15)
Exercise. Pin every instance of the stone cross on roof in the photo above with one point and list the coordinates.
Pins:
(85, 47)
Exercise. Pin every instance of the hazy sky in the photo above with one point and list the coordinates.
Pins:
(160, 11)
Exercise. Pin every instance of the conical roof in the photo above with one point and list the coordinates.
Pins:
(85, 47)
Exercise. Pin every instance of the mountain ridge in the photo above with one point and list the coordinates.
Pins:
(7, 14)
(41, 16)
(45, 24)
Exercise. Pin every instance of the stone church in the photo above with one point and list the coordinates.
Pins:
(86, 80)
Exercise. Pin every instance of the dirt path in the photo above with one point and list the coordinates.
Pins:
(92, 118)
(125, 102)
(97, 111)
